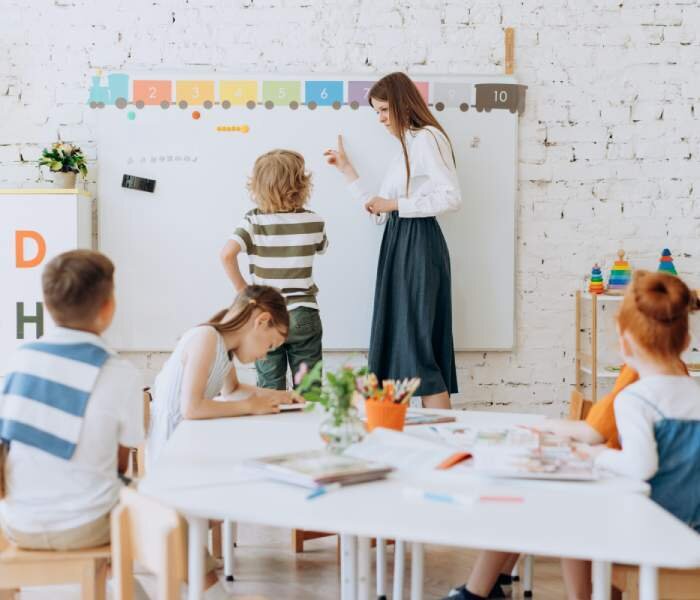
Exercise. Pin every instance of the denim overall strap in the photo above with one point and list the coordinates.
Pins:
(676, 484)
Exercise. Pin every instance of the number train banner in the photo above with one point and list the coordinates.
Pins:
(119, 90)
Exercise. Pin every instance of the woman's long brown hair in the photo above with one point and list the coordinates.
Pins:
(253, 297)
(408, 111)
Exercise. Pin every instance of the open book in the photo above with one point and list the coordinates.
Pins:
(514, 452)
(315, 468)
(525, 453)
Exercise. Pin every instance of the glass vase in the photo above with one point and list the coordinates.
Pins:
(339, 432)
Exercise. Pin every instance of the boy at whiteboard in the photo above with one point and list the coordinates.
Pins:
(281, 238)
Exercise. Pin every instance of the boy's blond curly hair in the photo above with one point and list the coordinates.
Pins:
(279, 182)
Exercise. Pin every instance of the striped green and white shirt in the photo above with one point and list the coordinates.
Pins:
(281, 249)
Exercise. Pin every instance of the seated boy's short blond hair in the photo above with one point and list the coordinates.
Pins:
(280, 182)
(76, 285)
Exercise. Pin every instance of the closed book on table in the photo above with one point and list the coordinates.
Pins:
(314, 468)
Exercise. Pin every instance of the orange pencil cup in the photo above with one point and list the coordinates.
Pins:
(385, 414)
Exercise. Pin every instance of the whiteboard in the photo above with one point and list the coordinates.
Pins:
(166, 244)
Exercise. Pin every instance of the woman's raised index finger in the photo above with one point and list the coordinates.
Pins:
(341, 148)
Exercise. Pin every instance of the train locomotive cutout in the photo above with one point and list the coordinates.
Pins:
(116, 89)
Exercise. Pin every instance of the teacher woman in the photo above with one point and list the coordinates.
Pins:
(412, 321)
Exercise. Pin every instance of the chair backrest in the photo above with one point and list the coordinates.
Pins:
(145, 531)
(578, 406)
(3, 461)
(139, 456)
(147, 398)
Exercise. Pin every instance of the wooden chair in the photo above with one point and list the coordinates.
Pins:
(579, 407)
(138, 455)
(299, 536)
(20, 568)
(673, 585)
(145, 531)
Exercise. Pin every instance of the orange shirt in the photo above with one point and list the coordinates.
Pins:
(602, 414)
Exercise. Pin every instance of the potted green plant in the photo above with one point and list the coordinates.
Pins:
(334, 392)
(64, 161)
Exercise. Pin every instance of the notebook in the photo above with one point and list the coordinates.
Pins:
(418, 418)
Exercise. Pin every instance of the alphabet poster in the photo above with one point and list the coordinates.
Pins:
(34, 228)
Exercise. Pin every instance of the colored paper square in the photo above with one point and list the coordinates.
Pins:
(423, 89)
(238, 93)
(358, 91)
(452, 94)
(152, 91)
(281, 93)
(118, 87)
(324, 93)
(195, 93)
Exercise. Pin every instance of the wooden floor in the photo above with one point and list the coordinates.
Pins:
(266, 565)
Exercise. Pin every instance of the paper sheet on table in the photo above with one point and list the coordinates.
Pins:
(401, 451)
(214, 474)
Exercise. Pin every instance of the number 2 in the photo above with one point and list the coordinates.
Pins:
(152, 92)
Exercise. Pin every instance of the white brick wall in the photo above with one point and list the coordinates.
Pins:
(609, 144)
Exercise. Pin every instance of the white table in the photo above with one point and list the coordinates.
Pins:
(197, 473)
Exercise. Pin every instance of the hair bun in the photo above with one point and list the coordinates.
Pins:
(663, 297)
(694, 301)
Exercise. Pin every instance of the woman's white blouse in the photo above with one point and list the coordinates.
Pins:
(433, 188)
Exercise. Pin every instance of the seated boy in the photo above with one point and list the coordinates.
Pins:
(67, 404)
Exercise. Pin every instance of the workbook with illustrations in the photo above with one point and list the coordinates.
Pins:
(518, 452)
